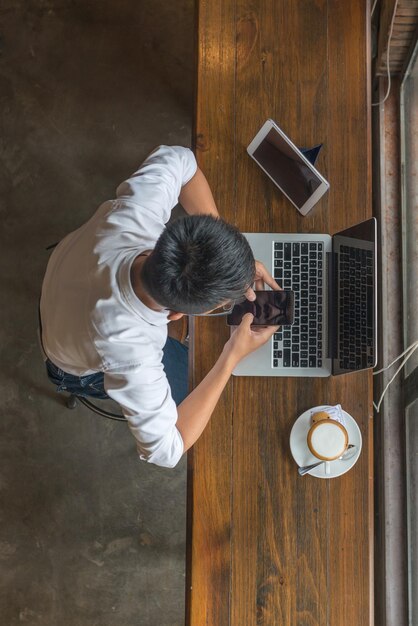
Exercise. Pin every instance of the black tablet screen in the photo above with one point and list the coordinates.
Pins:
(286, 168)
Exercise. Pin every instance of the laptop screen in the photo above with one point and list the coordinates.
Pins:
(366, 231)
(353, 333)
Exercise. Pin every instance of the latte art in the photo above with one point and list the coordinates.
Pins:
(327, 440)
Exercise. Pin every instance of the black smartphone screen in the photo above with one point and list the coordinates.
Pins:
(270, 308)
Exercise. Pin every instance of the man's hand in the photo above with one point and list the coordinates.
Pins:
(262, 278)
(246, 339)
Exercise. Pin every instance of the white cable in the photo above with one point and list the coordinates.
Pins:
(377, 407)
(397, 358)
(373, 8)
(375, 104)
(411, 349)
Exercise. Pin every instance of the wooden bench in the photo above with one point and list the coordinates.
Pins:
(266, 546)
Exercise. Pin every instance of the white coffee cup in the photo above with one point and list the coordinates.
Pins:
(327, 439)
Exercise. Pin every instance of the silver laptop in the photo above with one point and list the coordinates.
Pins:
(334, 280)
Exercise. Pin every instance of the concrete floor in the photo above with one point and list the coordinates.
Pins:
(88, 534)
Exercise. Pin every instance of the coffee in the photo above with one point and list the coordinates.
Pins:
(327, 439)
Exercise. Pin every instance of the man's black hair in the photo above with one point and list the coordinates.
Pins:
(198, 263)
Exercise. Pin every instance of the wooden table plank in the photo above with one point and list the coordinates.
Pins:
(351, 496)
(284, 520)
(268, 547)
(209, 462)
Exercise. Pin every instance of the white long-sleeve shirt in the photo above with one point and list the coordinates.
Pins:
(93, 321)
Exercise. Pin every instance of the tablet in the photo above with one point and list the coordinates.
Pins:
(287, 167)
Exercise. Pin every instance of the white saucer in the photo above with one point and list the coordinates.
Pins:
(303, 456)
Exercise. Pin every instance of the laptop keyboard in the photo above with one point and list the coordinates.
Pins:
(300, 266)
(356, 306)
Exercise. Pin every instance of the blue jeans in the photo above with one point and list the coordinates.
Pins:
(175, 361)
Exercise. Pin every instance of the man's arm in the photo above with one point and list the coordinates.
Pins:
(196, 197)
(157, 183)
(195, 411)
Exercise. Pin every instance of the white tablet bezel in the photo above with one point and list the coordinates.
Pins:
(318, 193)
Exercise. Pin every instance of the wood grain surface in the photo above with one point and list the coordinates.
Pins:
(265, 545)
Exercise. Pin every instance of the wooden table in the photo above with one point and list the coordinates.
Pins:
(265, 545)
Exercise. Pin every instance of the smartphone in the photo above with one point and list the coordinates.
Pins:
(270, 308)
